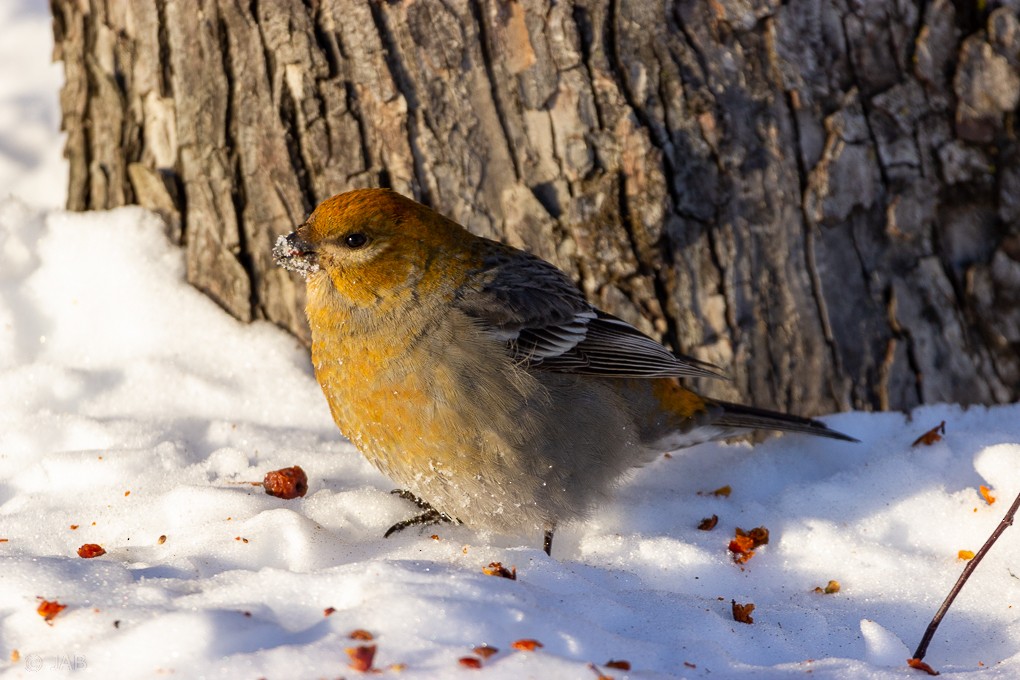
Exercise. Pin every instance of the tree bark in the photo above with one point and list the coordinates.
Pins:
(820, 196)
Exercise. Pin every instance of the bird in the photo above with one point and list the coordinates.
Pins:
(478, 377)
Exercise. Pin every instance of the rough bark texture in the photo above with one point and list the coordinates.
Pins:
(821, 196)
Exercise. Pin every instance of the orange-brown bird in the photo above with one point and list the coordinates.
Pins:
(478, 378)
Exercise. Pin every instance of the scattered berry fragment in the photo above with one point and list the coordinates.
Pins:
(526, 645)
(362, 657)
(742, 548)
(286, 483)
(90, 550)
(708, 523)
(931, 436)
(742, 612)
(744, 543)
(497, 569)
(830, 588)
(469, 662)
(49, 610)
(921, 666)
(760, 535)
(986, 493)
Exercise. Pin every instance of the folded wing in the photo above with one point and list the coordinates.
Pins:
(547, 324)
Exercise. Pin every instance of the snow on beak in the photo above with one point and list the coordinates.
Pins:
(295, 254)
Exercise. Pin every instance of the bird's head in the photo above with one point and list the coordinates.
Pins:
(374, 247)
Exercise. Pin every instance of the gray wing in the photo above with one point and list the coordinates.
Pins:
(546, 323)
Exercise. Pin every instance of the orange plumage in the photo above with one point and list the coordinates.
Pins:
(477, 376)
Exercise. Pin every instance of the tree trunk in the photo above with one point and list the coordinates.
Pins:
(820, 196)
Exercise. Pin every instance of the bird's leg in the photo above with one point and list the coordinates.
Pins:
(408, 496)
(430, 516)
(547, 542)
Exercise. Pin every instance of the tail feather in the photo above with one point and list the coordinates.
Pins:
(738, 415)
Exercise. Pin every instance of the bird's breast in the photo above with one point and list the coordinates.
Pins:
(423, 398)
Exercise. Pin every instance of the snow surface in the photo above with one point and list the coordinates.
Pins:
(132, 407)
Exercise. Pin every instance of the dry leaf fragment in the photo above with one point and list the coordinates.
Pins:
(469, 662)
(74, 527)
(830, 588)
(497, 569)
(90, 550)
(286, 483)
(485, 651)
(986, 494)
(708, 523)
(742, 612)
(360, 634)
(619, 665)
(161, 540)
(723, 491)
(931, 436)
(526, 645)
(328, 610)
(965, 554)
(921, 666)
(49, 609)
(688, 664)
(361, 657)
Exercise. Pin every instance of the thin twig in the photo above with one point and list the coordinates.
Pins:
(1007, 521)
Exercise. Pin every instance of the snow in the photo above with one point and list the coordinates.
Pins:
(132, 407)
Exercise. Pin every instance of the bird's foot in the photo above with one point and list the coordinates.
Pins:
(427, 518)
(547, 542)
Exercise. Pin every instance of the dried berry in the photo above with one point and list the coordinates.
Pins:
(90, 550)
(286, 483)
(742, 612)
(497, 569)
(362, 657)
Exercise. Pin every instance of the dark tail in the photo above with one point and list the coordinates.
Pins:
(737, 415)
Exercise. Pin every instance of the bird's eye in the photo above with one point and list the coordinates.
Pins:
(355, 240)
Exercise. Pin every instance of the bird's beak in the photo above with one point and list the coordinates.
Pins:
(296, 254)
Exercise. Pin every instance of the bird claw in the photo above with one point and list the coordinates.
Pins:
(429, 517)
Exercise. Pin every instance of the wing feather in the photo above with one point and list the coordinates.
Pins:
(547, 324)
